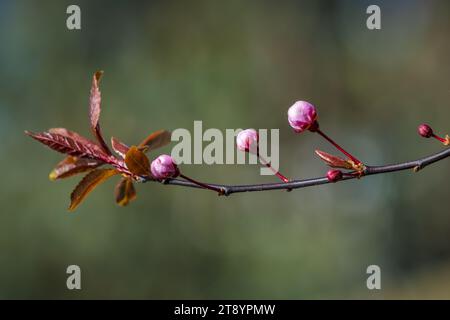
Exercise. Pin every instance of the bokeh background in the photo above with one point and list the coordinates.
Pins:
(232, 64)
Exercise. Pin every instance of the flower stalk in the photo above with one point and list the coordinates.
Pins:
(248, 141)
(203, 185)
(337, 146)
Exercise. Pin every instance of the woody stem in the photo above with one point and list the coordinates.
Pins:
(296, 184)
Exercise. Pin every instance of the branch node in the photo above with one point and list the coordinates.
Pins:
(224, 191)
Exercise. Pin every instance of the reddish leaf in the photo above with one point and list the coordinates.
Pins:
(334, 161)
(125, 192)
(94, 110)
(77, 137)
(70, 166)
(68, 145)
(137, 162)
(119, 147)
(156, 140)
(88, 183)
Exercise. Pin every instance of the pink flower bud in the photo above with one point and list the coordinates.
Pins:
(302, 116)
(164, 167)
(247, 140)
(334, 175)
(425, 130)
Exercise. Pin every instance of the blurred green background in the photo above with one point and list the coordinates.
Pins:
(232, 64)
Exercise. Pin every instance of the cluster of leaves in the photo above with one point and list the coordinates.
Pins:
(85, 155)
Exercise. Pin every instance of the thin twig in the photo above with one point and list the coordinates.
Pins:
(297, 184)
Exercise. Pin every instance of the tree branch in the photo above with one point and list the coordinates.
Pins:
(297, 184)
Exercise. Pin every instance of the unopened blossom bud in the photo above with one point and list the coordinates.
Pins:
(164, 167)
(247, 140)
(334, 175)
(302, 116)
(425, 130)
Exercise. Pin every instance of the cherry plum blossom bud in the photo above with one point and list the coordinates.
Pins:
(164, 167)
(334, 175)
(425, 130)
(247, 140)
(302, 116)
